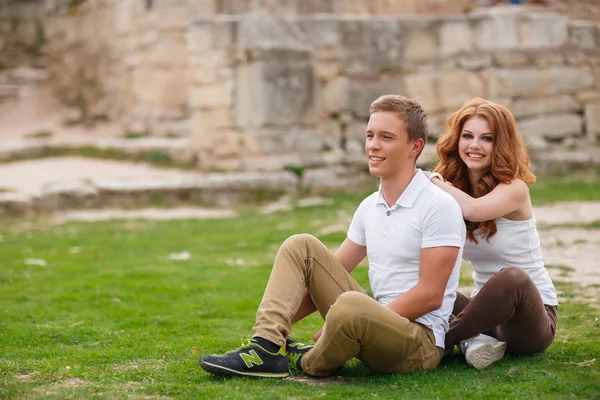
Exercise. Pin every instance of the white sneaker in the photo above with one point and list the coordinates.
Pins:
(482, 350)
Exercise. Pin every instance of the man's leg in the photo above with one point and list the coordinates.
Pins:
(302, 262)
(510, 308)
(357, 325)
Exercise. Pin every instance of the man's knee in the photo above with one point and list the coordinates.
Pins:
(301, 241)
(347, 306)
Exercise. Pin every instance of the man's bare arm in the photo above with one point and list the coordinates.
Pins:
(428, 294)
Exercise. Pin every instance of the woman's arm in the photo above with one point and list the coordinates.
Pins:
(502, 200)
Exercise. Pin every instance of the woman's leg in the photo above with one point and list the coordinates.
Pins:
(510, 308)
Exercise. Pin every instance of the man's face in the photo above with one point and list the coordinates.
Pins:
(386, 145)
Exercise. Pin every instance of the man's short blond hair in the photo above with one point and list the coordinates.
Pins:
(409, 110)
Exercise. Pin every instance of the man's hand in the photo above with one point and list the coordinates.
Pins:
(318, 334)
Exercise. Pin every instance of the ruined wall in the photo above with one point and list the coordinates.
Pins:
(545, 67)
(255, 91)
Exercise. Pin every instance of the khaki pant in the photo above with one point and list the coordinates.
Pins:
(355, 324)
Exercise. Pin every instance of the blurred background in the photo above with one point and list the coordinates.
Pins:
(106, 102)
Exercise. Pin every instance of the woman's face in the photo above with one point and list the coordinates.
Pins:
(476, 145)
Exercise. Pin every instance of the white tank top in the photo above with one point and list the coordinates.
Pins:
(515, 244)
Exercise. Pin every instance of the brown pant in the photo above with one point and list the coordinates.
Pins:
(508, 307)
(355, 324)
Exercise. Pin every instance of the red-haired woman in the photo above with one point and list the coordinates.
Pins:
(486, 166)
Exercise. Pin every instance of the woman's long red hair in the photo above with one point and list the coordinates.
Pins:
(510, 158)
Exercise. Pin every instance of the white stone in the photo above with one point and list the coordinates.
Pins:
(542, 31)
(496, 32)
(162, 87)
(592, 120)
(552, 126)
(444, 91)
(335, 94)
(583, 34)
(535, 82)
(455, 37)
(420, 42)
(211, 96)
(538, 106)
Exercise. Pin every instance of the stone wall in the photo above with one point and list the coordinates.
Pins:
(545, 67)
(258, 92)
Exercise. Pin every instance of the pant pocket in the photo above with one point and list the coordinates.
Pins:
(426, 355)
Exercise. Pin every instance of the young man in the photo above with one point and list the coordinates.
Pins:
(412, 233)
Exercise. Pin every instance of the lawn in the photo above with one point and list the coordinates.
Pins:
(100, 310)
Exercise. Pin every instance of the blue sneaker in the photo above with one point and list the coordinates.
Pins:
(295, 351)
(249, 360)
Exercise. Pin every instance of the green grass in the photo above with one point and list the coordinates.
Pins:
(566, 188)
(156, 158)
(110, 315)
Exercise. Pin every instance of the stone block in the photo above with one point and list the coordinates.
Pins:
(356, 132)
(278, 91)
(444, 91)
(161, 87)
(326, 70)
(590, 96)
(542, 31)
(547, 58)
(444, 7)
(424, 89)
(583, 35)
(211, 96)
(532, 82)
(510, 59)
(282, 140)
(370, 46)
(228, 144)
(203, 35)
(435, 125)
(552, 127)
(336, 95)
(420, 41)
(330, 131)
(475, 62)
(362, 94)
(167, 53)
(321, 31)
(545, 105)
(456, 87)
(200, 36)
(455, 37)
(260, 34)
(210, 67)
(592, 121)
(496, 31)
(200, 8)
(177, 17)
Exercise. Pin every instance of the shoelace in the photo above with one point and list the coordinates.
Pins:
(293, 364)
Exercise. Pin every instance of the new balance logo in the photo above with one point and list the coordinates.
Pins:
(251, 358)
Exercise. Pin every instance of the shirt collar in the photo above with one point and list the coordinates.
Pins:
(409, 196)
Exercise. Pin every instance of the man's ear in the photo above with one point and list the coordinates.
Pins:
(417, 146)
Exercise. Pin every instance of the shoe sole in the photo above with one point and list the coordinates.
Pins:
(222, 371)
(487, 354)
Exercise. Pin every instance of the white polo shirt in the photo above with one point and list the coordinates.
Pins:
(424, 216)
